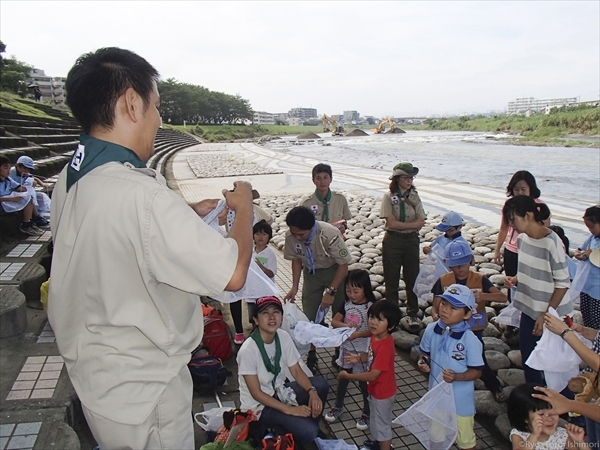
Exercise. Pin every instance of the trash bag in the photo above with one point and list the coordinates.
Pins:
(291, 316)
(432, 420)
(509, 316)
(431, 271)
(581, 276)
(213, 418)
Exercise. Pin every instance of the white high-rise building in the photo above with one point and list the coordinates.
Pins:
(524, 104)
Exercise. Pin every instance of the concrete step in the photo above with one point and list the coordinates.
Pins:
(50, 138)
(11, 142)
(28, 276)
(62, 147)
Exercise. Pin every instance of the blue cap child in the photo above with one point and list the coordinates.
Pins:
(451, 225)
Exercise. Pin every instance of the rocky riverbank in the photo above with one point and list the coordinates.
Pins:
(364, 240)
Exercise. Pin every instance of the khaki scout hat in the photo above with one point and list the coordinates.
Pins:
(404, 168)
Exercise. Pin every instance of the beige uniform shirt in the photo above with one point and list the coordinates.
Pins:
(338, 207)
(130, 260)
(327, 247)
(390, 206)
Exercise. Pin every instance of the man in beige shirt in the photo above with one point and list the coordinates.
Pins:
(326, 205)
(319, 248)
(130, 261)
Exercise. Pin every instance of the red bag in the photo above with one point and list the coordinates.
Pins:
(285, 442)
(217, 335)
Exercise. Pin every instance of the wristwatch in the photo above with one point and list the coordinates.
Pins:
(564, 333)
(331, 291)
(312, 388)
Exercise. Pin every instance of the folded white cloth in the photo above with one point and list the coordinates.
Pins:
(320, 336)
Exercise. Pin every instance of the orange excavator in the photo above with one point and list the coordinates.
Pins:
(380, 128)
(336, 130)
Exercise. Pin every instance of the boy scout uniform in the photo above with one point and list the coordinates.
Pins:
(401, 248)
(329, 251)
(338, 207)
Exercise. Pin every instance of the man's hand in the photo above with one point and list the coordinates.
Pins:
(327, 301)
(510, 282)
(299, 411)
(538, 328)
(314, 403)
(205, 206)
(240, 197)
(290, 296)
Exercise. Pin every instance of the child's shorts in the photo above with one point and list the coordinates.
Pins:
(380, 419)
(466, 435)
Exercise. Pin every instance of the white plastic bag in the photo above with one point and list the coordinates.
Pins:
(334, 444)
(432, 420)
(291, 316)
(431, 271)
(583, 271)
(213, 418)
(510, 316)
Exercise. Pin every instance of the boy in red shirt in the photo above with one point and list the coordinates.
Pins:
(384, 317)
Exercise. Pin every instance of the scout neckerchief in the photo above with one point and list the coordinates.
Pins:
(274, 369)
(93, 152)
(309, 256)
(403, 199)
(447, 332)
(325, 201)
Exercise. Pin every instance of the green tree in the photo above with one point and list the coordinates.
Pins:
(14, 74)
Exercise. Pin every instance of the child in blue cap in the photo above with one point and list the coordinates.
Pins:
(450, 225)
(458, 258)
(451, 352)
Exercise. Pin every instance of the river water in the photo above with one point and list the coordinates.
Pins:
(464, 171)
(470, 157)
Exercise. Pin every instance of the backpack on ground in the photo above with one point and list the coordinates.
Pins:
(218, 337)
(207, 371)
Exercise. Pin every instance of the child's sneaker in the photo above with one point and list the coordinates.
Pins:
(370, 445)
(363, 423)
(239, 338)
(28, 228)
(333, 415)
(41, 222)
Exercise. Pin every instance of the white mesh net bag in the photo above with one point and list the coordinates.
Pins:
(431, 270)
(432, 420)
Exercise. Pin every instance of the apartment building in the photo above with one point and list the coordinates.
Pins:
(263, 118)
(52, 88)
(525, 104)
(303, 113)
(351, 116)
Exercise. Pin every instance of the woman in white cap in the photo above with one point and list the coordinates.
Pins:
(403, 212)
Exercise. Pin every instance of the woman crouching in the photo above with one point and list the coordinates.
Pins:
(296, 406)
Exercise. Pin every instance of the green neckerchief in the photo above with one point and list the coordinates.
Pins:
(401, 198)
(325, 201)
(274, 369)
(92, 153)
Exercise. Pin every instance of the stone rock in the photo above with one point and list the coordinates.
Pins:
(511, 377)
(486, 404)
(515, 358)
(404, 340)
(495, 344)
(503, 426)
(360, 266)
(377, 295)
(490, 312)
(491, 331)
(376, 270)
(415, 354)
(491, 266)
(405, 327)
(488, 272)
(497, 360)
(479, 385)
(498, 279)
(481, 250)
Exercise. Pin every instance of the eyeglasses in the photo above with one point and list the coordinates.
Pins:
(406, 177)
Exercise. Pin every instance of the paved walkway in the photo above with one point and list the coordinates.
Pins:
(412, 384)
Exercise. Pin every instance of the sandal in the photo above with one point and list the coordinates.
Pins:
(500, 396)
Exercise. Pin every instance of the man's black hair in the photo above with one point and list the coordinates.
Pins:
(322, 168)
(98, 79)
(300, 217)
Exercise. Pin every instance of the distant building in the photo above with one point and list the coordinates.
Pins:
(303, 113)
(351, 116)
(337, 117)
(295, 121)
(280, 116)
(525, 104)
(52, 88)
(263, 118)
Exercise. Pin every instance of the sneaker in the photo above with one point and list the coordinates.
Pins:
(239, 338)
(333, 414)
(27, 228)
(370, 445)
(363, 423)
(41, 222)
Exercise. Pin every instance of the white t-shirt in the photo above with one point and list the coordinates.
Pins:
(268, 259)
(250, 362)
(555, 442)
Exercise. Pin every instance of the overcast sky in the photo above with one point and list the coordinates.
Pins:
(379, 58)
